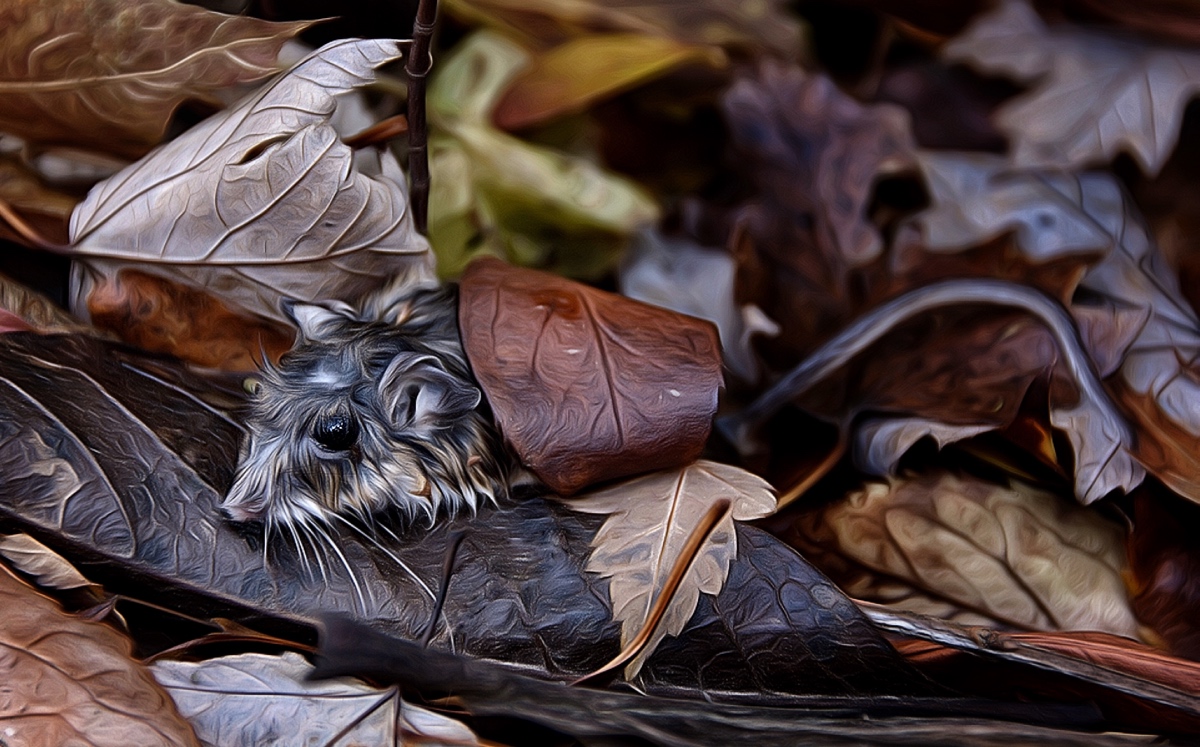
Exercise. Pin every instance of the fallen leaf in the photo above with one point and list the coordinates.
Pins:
(261, 201)
(649, 519)
(255, 699)
(41, 563)
(161, 316)
(108, 74)
(502, 196)
(757, 27)
(35, 311)
(69, 681)
(682, 276)
(580, 72)
(1096, 94)
(47, 210)
(1165, 568)
(1013, 552)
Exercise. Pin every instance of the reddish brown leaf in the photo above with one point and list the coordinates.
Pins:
(68, 681)
(586, 385)
(159, 315)
(1165, 564)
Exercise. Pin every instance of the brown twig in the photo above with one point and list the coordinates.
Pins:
(691, 550)
(420, 61)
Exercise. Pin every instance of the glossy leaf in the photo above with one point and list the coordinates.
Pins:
(108, 74)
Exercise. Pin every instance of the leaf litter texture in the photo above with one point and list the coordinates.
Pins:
(1012, 553)
(260, 202)
(108, 74)
(648, 522)
(1094, 94)
(74, 683)
(248, 700)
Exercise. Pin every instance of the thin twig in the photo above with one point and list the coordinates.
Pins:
(420, 61)
(447, 571)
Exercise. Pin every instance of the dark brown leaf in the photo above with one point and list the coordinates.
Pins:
(586, 385)
(68, 681)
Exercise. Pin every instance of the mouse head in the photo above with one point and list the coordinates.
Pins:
(366, 416)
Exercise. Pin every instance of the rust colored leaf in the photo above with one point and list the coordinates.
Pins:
(1096, 94)
(1165, 564)
(649, 520)
(162, 316)
(260, 202)
(254, 699)
(108, 74)
(45, 209)
(1012, 553)
(68, 681)
(586, 385)
(577, 73)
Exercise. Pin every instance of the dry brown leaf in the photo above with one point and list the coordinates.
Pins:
(1015, 554)
(36, 560)
(254, 699)
(109, 73)
(45, 209)
(1096, 94)
(161, 316)
(260, 202)
(649, 519)
(1165, 567)
(752, 26)
(71, 682)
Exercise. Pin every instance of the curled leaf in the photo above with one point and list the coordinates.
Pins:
(649, 520)
(109, 73)
(254, 699)
(67, 680)
(260, 202)
(1013, 553)
(1096, 94)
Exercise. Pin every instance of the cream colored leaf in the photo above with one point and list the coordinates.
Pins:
(108, 73)
(35, 559)
(262, 201)
(1013, 553)
(255, 699)
(1096, 94)
(37, 311)
(649, 520)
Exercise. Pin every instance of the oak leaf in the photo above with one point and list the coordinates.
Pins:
(260, 202)
(1095, 95)
(255, 699)
(69, 681)
(649, 520)
(108, 74)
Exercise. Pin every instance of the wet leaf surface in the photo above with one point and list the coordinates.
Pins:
(72, 682)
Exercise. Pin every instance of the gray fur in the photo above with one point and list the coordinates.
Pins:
(422, 442)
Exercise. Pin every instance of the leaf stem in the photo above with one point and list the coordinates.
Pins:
(27, 232)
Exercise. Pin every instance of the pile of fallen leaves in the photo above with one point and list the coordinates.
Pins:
(951, 257)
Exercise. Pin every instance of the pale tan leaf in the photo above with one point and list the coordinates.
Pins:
(35, 310)
(254, 699)
(72, 682)
(36, 560)
(1012, 553)
(1096, 94)
(109, 73)
(262, 201)
(649, 519)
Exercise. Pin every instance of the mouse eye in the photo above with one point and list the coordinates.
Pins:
(336, 431)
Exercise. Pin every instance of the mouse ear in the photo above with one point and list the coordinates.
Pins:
(316, 321)
(419, 393)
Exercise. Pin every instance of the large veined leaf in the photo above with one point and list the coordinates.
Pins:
(109, 73)
(649, 520)
(1095, 94)
(254, 699)
(260, 202)
(70, 681)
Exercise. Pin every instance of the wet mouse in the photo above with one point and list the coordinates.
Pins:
(374, 409)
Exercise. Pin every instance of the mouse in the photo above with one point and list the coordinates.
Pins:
(373, 410)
